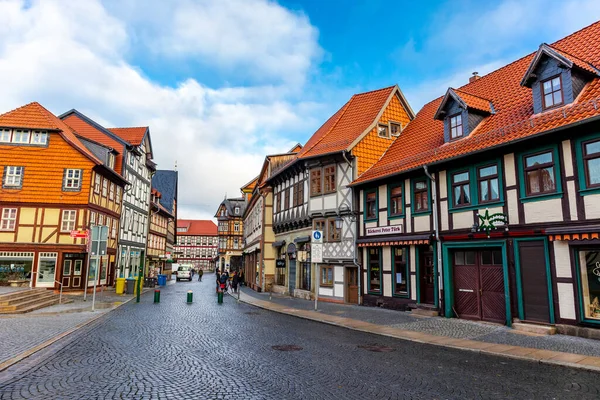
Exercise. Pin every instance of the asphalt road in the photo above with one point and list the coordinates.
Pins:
(204, 350)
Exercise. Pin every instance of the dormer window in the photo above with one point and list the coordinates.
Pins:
(395, 128)
(237, 211)
(383, 131)
(111, 161)
(552, 92)
(456, 127)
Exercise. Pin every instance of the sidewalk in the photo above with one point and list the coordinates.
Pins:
(448, 332)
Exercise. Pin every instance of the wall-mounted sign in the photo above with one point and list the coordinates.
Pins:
(384, 230)
(489, 222)
(316, 237)
(316, 254)
(280, 263)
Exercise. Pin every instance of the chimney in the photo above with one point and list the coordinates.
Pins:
(474, 77)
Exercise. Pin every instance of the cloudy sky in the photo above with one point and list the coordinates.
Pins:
(222, 83)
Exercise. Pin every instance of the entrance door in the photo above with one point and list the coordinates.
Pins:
(71, 273)
(427, 275)
(292, 281)
(534, 281)
(479, 285)
(352, 285)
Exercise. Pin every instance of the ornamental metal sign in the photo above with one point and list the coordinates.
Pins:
(489, 222)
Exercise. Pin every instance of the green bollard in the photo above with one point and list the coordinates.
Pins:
(220, 297)
(157, 295)
(190, 296)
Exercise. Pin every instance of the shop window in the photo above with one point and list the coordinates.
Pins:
(334, 229)
(371, 205)
(16, 264)
(329, 173)
(280, 272)
(326, 276)
(316, 185)
(589, 264)
(420, 196)
(305, 276)
(396, 203)
(400, 270)
(374, 270)
(461, 193)
(487, 178)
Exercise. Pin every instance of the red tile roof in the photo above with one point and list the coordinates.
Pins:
(133, 135)
(200, 227)
(347, 124)
(35, 116)
(513, 118)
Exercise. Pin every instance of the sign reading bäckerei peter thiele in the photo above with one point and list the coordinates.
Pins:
(384, 230)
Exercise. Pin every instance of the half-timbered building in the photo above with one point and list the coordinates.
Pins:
(197, 243)
(487, 206)
(231, 233)
(160, 218)
(55, 186)
(166, 182)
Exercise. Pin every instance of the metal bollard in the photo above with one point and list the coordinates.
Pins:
(157, 295)
(220, 296)
(190, 296)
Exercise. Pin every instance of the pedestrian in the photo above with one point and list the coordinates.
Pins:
(192, 273)
(223, 281)
(200, 273)
(241, 278)
(235, 281)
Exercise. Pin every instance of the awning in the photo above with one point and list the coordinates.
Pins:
(278, 243)
(302, 239)
(404, 240)
(252, 249)
(575, 236)
(589, 232)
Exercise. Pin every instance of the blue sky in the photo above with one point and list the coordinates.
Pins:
(222, 83)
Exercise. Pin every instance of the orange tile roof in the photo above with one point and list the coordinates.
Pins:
(475, 102)
(35, 116)
(133, 135)
(197, 227)
(513, 120)
(347, 124)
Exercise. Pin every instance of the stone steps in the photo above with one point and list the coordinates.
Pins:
(28, 300)
(533, 328)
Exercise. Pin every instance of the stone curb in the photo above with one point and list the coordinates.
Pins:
(12, 361)
(540, 356)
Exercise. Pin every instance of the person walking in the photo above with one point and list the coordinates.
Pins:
(235, 281)
(223, 281)
(200, 273)
(241, 278)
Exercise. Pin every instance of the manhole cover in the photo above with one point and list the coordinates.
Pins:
(376, 348)
(287, 347)
(252, 313)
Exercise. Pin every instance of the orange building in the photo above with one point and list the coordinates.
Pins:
(53, 184)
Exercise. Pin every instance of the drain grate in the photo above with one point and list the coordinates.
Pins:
(287, 347)
(376, 348)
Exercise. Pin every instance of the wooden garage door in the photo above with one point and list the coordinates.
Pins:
(534, 281)
(479, 285)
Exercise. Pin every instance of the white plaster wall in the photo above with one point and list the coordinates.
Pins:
(509, 169)
(422, 223)
(314, 203)
(372, 224)
(413, 287)
(397, 221)
(572, 196)
(387, 285)
(592, 206)
(386, 254)
(383, 196)
(338, 274)
(566, 300)
(326, 291)
(462, 220)
(383, 219)
(513, 207)
(562, 259)
(329, 201)
(407, 212)
(443, 185)
(543, 211)
(444, 212)
(413, 259)
(568, 159)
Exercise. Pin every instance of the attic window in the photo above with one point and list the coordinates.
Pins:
(383, 131)
(456, 127)
(237, 211)
(552, 92)
(395, 128)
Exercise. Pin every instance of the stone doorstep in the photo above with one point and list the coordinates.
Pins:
(533, 328)
(425, 312)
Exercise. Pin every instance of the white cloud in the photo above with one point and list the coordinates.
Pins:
(73, 55)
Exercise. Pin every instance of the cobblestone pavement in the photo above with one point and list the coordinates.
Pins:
(451, 327)
(203, 350)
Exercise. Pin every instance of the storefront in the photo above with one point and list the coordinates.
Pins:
(16, 266)
(587, 261)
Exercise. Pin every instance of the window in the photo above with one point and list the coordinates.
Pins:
(326, 276)
(319, 225)
(235, 243)
(552, 92)
(589, 269)
(461, 194)
(20, 136)
(305, 276)
(111, 161)
(279, 202)
(329, 179)
(539, 173)
(131, 159)
(9, 219)
(287, 198)
(396, 206)
(395, 128)
(97, 183)
(371, 205)
(487, 181)
(236, 227)
(421, 196)
(400, 272)
(118, 198)
(374, 272)
(72, 179)
(300, 190)
(68, 220)
(456, 127)
(13, 177)
(383, 131)
(111, 193)
(104, 187)
(316, 188)
(334, 229)
(591, 161)
(39, 137)
(5, 135)
(237, 211)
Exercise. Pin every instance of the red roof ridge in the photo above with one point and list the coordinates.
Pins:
(343, 109)
(129, 127)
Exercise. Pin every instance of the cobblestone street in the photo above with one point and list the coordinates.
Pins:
(204, 350)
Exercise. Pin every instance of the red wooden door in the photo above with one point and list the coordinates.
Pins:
(427, 275)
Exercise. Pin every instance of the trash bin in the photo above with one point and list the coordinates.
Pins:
(162, 280)
(120, 288)
(130, 288)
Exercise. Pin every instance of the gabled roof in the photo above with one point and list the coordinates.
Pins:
(422, 141)
(358, 116)
(249, 187)
(201, 227)
(230, 205)
(166, 182)
(465, 100)
(133, 135)
(35, 116)
(563, 57)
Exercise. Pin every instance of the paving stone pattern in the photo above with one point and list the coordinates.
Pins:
(203, 350)
(451, 327)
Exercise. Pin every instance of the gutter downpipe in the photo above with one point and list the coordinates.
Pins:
(436, 232)
(354, 260)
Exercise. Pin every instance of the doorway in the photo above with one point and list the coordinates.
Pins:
(352, 285)
(533, 273)
(427, 275)
(72, 267)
